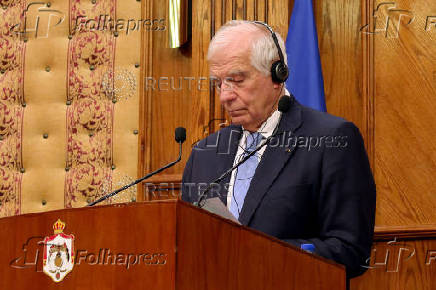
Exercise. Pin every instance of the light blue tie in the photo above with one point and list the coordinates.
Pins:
(244, 174)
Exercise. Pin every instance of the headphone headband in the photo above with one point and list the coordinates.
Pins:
(279, 70)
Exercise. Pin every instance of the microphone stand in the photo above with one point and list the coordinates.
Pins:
(103, 198)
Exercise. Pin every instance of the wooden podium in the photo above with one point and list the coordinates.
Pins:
(152, 245)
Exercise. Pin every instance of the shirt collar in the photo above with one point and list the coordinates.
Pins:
(267, 128)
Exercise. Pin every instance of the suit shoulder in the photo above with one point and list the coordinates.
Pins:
(324, 121)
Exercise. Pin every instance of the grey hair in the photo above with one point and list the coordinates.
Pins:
(263, 50)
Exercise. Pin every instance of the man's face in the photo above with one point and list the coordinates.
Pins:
(248, 95)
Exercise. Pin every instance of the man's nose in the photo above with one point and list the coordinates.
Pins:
(226, 93)
(227, 96)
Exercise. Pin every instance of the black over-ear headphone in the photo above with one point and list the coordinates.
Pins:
(279, 70)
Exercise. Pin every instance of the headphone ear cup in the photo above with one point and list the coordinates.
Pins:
(279, 72)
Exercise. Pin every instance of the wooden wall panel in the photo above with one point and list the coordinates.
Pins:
(400, 261)
(384, 83)
(341, 54)
(404, 117)
(166, 101)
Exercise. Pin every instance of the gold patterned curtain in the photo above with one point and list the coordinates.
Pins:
(68, 133)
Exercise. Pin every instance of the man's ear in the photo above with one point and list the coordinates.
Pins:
(276, 85)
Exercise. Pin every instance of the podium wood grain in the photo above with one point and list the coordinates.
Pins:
(193, 250)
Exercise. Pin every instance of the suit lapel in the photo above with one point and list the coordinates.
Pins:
(273, 160)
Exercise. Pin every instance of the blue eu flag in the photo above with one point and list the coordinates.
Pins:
(305, 80)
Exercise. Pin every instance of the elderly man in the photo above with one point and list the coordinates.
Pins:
(291, 189)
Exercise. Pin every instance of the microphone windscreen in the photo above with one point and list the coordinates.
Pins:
(180, 134)
(284, 103)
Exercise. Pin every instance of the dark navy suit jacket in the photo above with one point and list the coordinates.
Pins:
(312, 185)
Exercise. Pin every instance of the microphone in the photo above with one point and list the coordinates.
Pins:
(283, 106)
(180, 137)
(180, 134)
(284, 103)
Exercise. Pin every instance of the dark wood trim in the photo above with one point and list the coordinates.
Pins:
(266, 11)
(145, 118)
(223, 12)
(212, 18)
(368, 77)
(211, 88)
(404, 232)
(164, 178)
(255, 10)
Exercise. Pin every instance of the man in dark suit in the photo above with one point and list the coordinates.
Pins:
(311, 184)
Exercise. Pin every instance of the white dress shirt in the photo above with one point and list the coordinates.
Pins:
(266, 130)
